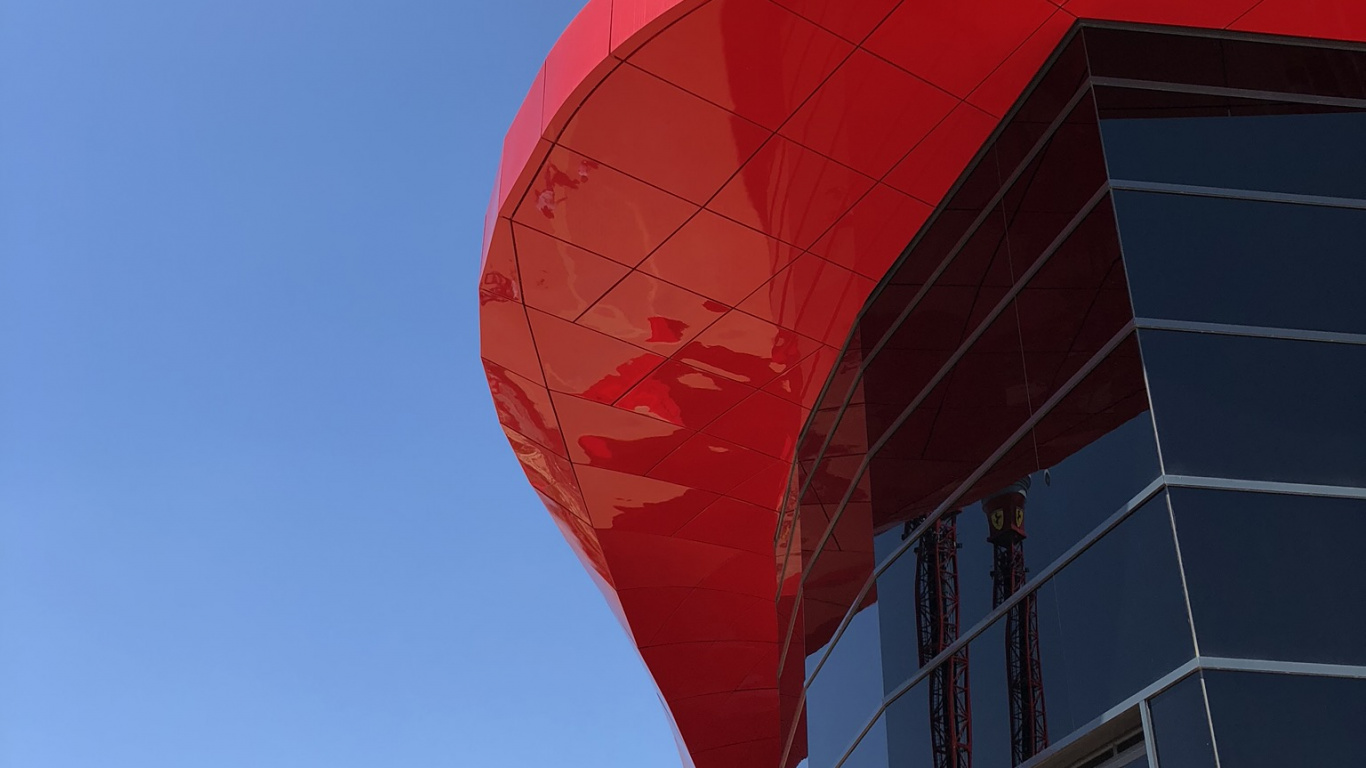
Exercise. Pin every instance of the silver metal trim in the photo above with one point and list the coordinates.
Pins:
(1311, 669)
(1149, 742)
(1257, 331)
(1285, 97)
(1265, 486)
(1209, 721)
(1128, 185)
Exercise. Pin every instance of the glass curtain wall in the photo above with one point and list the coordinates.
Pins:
(1050, 484)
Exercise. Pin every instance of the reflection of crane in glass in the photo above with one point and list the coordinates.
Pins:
(1024, 675)
(937, 627)
(936, 620)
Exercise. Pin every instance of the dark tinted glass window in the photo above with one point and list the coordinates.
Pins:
(871, 751)
(1181, 731)
(1112, 621)
(1236, 548)
(1197, 58)
(1312, 154)
(1264, 409)
(908, 729)
(1274, 721)
(846, 691)
(1244, 262)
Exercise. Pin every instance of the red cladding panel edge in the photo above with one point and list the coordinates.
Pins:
(657, 269)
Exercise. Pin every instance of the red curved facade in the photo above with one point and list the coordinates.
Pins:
(692, 206)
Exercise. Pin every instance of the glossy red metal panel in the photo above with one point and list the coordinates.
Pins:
(813, 297)
(747, 349)
(998, 92)
(657, 132)
(872, 234)
(852, 21)
(525, 407)
(600, 209)
(1330, 19)
(663, 459)
(762, 422)
(731, 522)
(1206, 13)
(499, 277)
(578, 60)
(802, 383)
(611, 438)
(652, 314)
(867, 113)
(705, 51)
(710, 463)
(955, 45)
(628, 501)
(761, 195)
(683, 395)
(731, 664)
(934, 164)
(720, 258)
(505, 338)
(560, 278)
(581, 361)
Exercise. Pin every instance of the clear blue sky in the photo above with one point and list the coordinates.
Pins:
(255, 510)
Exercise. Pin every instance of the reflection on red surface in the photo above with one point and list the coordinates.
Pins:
(666, 282)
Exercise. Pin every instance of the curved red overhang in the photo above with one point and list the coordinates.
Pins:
(692, 205)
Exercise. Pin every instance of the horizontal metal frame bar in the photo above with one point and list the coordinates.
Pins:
(1254, 331)
(1228, 193)
(1266, 486)
(1310, 669)
(1237, 93)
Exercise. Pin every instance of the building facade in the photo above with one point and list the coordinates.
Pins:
(950, 386)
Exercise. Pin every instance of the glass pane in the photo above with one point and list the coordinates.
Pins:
(1236, 552)
(1181, 732)
(908, 729)
(1193, 57)
(1274, 721)
(846, 691)
(1113, 621)
(1244, 262)
(1263, 409)
(871, 751)
(1311, 154)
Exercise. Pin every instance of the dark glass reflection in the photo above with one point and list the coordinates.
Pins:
(871, 751)
(1310, 154)
(847, 690)
(1273, 721)
(1244, 262)
(1253, 408)
(1247, 605)
(1196, 58)
(1087, 457)
(1181, 731)
(908, 729)
(1112, 621)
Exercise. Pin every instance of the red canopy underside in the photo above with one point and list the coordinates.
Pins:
(692, 205)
